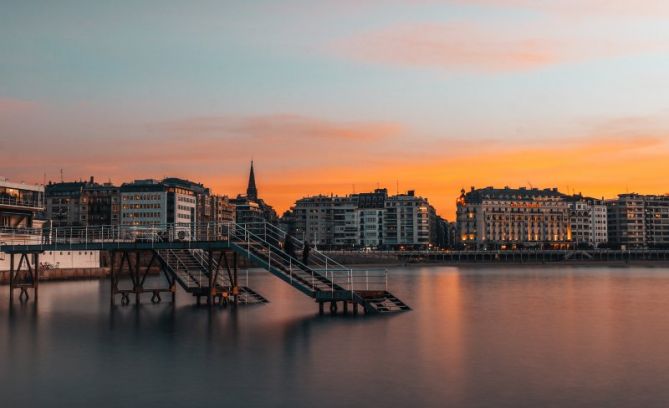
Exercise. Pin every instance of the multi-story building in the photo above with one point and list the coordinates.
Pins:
(252, 210)
(409, 221)
(371, 210)
(215, 209)
(656, 215)
(156, 203)
(19, 204)
(327, 221)
(491, 218)
(370, 226)
(82, 203)
(365, 220)
(639, 221)
(588, 221)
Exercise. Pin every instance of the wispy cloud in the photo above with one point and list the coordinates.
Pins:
(282, 127)
(479, 47)
(649, 8)
(12, 105)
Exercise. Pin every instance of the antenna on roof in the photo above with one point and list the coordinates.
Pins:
(530, 184)
(397, 187)
(61, 175)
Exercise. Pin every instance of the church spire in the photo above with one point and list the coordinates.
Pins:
(251, 190)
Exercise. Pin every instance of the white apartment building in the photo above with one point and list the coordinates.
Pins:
(157, 203)
(409, 221)
(370, 224)
(365, 220)
(588, 220)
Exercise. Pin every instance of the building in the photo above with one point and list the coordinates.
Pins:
(371, 210)
(215, 209)
(638, 221)
(314, 219)
(365, 220)
(163, 204)
(409, 222)
(588, 221)
(506, 218)
(250, 209)
(82, 203)
(20, 204)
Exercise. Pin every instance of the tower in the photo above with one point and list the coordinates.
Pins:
(251, 190)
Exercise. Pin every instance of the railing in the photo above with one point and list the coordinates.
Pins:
(204, 260)
(180, 268)
(317, 259)
(15, 202)
(265, 237)
(359, 279)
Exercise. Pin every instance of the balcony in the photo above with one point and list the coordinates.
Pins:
(14, 203)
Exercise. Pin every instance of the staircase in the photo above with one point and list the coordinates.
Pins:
(191, 269)
(323, 278)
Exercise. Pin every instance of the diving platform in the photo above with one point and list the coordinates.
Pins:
(203, 259)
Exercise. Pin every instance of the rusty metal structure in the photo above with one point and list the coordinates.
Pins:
(203, 259)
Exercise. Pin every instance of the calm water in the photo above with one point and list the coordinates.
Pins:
(477, 337)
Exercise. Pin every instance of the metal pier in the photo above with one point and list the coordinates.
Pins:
(204, 260)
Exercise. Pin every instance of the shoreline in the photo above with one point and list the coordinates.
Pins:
(505, 264)
(82, 274)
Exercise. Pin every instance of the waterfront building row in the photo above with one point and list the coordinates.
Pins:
(150, 202)
(370, 220)
(490, 218)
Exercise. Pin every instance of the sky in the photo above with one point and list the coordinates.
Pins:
(342, 96)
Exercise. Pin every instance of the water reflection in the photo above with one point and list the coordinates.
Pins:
(477, 337)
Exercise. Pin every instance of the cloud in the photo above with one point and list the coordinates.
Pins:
(478, 47)
(14, 106)
(298, 155)
(282, 127)
(643, 8)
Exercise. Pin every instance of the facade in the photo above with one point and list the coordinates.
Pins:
(371, 220)
(371, 209)
(409, 221)
(313, 217)
(79, 204)
(250, 209)
(370, 226)
(639, 221)
(506, 218)
(153, 203)
(20, 207)
(20, 204)
(588, 220)
(215, 209)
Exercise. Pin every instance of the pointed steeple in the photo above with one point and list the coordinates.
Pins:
(251, 190)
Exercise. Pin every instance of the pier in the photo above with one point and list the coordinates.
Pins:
(204, 261)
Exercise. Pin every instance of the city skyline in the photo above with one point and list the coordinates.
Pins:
(432, 95)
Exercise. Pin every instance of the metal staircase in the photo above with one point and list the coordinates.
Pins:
(191, 269)
(323, 279)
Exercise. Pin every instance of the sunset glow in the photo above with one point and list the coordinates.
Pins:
(432, 96)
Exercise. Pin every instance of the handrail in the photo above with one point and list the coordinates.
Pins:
(266, 235)
(21, 203)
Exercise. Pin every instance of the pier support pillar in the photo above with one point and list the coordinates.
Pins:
(24, 276)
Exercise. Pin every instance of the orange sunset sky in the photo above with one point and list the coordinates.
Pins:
(328, 97)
